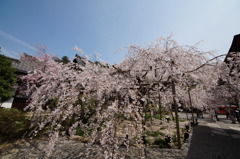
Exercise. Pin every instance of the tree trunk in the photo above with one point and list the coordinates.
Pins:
(160, 105)
(148, 106)
(187, 115)
(172, 114)
(190, 102)
(115, 134)
(186, 111)
(176, 114)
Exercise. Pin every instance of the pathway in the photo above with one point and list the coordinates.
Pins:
(219, 140)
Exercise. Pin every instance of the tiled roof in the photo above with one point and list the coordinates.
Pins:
(80, 60)
(234, 49)
(23, 67)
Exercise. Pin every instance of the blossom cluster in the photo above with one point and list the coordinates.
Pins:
(94, 96)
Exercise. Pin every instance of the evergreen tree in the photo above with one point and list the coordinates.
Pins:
(7, 79)
(56, 59)
(65, 60)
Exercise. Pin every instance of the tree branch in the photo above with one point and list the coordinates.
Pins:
(205, 63)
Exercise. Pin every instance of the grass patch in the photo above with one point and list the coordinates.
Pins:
(13, 124)
(154, 133)
(182, 120)
(157, 117)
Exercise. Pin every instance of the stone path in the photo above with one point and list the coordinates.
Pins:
(217, 129)
(218, 140)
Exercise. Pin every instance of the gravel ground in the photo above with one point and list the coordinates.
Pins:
(72, 149)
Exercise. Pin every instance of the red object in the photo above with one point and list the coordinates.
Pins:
(223, 109)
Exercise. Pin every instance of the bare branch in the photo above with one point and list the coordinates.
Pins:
(205, 63)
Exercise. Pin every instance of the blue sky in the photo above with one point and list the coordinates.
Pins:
(104, 26)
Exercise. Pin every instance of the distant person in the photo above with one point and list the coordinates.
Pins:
(198, 113)
(231, 116)
(216, 114)
(201, 113)
(237, 114)
(227, 113)
(212, 115)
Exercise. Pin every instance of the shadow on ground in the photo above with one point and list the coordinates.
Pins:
(218, 145)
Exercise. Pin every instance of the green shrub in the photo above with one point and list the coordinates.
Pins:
(83, 132)
(181, 120)
(79, 132)
(52, 104)
(148, 116)
(13, 123)
(161, 143)
(147, 142)
(157, 116)
(123, 117)
(163, 114)
(154, 133)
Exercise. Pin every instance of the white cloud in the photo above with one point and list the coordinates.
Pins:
(9, 53)
(6, 35)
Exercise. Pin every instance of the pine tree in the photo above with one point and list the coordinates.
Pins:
(7, 79)
(65, 60)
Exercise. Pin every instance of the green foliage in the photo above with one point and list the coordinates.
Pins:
(79, 132)
(148, 116)
(88, 108)
(154, 133)
(13, 124)
(67, 123)
(65, 60)
(165, 113)
(52, 104)
(56, 59)
(83, 132)
(157, 116)
(131, 118)
(181, 120)
(147, 142)
(123, 117)
(7, 79)
(161, 143)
